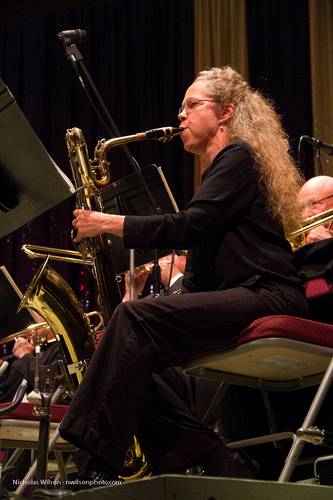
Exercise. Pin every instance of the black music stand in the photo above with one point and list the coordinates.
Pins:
(31, 182)
(128, 197)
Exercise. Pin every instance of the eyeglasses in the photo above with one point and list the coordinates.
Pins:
(314, 203)
(190, 104)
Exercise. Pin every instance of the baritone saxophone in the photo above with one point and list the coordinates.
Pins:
(49, 295)
(89, 176)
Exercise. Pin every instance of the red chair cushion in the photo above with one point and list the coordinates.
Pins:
(279, 326)
(290, 327)
(317, 287)
(24, 412)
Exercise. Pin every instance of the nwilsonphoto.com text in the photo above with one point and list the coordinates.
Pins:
(51, 483)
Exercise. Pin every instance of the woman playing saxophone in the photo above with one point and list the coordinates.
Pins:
(239, 268)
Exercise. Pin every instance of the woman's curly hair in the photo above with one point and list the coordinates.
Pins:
(256, 122)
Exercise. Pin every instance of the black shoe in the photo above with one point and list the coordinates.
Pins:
(93, 479)
(225, 462)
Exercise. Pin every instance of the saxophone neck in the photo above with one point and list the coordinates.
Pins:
(103, 146)
(163, 134)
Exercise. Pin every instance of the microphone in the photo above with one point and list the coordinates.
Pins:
(163, 134)
(72, 36)
(316, 143)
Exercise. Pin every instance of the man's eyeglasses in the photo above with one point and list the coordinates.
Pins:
(190, 104)
(314, 203)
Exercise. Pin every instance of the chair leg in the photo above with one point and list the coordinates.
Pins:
(270, 418)
(12, 459)
(61, 466)
(215, 403)
(297, 446)
(31, 472)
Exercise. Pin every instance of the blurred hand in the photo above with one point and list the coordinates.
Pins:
(318, 234)
(22, 347)
(140, 279)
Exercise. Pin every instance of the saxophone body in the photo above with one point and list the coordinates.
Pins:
(87, 182)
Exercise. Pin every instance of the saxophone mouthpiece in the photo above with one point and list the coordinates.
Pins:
(163, 134)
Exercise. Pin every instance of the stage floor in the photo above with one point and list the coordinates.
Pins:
(174, 487)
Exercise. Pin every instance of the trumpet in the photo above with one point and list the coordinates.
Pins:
(297, 238)
(39, 332)
(164, 260)
(31, 331)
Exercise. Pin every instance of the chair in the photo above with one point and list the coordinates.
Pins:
(20, 430)
(275, 353)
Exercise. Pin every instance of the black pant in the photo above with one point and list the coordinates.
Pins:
(122, 391)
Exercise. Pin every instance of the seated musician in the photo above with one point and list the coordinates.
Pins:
(314, 260)
(239, 268)
(23, 364)
(315, 197)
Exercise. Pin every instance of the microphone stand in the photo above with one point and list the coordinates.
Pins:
(156, 276)
(318, 160)
(76, 60)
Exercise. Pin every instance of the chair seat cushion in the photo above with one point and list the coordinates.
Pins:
(24, 412)
(273, 350)
(290, 327)
(278, 326)
(317, 288)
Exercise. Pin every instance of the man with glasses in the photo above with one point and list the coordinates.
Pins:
(316, 196)
(314, 260)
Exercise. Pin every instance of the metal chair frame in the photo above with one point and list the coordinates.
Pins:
(263, 364)
(22, 434)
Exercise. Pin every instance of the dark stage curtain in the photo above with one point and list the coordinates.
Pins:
(279, 64)
(140, 56)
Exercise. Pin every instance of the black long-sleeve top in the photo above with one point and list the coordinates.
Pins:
(232, 236)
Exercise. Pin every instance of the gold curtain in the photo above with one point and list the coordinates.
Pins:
(321, 50)
(220, 39)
